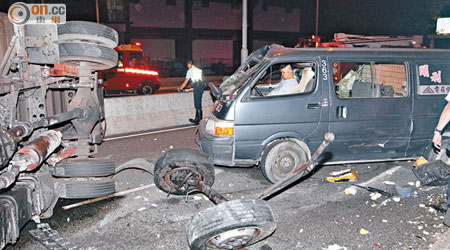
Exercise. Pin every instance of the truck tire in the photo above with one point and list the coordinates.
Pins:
(84, 188)
(231, 225)
(174, 166)
(145, 89)
(98, 57)
(87, 32)
(282, 157)
(84, 168)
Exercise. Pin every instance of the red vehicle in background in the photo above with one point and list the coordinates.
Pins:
(133, 73)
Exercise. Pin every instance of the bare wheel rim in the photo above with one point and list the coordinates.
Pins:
(182, 177)
(234, 239)
(285, 163)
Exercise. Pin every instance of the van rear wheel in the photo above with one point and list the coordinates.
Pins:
(281, 158)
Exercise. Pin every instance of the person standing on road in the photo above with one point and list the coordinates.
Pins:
(194, 74)
(437, 141)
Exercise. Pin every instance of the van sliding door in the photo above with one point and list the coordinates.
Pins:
(370, 110)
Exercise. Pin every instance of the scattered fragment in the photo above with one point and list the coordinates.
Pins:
(350, 190)
(388, 182)
(375, 196)
(153, 205)
(163, 151)
(377, 245)
(403, 191)
(137, 197)
(396, 199)
(421, 205)
(301, 230)
(68, 219)
(231, 185)
(346, 175)
(363, 231)
(391, 171)
(420, 227)
(335, 247)
(141, 209)
(155, 139)
(417, 183)
(197, 197)
(171, 147)
(425, 232)
(384, 220)
(411, 183)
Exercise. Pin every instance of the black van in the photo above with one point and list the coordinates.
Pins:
(382, 104)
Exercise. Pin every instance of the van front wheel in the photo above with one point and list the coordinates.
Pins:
(281, 158)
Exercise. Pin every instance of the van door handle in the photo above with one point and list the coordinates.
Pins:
(341, 112)
(313, 105)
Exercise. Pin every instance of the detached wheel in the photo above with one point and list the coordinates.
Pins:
(96, 56)
(178, 171)
(231, 225)
(281, 158)
(87, 32)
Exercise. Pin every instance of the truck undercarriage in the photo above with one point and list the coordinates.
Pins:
(51, 119)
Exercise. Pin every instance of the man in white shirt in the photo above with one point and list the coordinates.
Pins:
(194, 74)
(437, 140)
(287, 82)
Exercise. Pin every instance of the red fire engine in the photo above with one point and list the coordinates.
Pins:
(133, 73)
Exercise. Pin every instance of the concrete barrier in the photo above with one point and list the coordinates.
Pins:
(134, 114)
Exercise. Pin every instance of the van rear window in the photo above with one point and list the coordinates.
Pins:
(370, 80)
(433, 79)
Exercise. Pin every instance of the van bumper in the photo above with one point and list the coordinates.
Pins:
(218, 148)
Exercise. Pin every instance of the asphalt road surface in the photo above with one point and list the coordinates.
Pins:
(314, 214)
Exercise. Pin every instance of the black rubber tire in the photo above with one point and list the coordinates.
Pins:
(84, 168)
(87, 32)
(282, 151)
(98, 57)
(145, 89)
(182, 160)
(84, 188)
(209, 225)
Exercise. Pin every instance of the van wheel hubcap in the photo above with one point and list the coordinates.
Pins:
(285, 163)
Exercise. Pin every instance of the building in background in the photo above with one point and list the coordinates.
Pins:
(207, 31)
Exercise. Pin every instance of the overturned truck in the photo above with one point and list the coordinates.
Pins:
(51, 118)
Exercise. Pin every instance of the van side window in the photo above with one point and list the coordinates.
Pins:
(286, 79)
(433, 78)
(370, 80)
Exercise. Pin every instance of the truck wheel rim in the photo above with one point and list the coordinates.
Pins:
(234, 239)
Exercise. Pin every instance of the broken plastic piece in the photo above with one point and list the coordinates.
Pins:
(351, 176)
(420, 161)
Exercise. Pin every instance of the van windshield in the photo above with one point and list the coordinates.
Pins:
(136, 59)
(230, 85)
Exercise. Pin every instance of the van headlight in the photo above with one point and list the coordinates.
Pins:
(219, 127)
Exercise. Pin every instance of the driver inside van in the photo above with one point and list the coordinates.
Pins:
(287, 82)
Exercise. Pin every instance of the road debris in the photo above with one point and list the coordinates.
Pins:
(389, 183)
(345, 175)
(351, 190)
(118, 194)
(363, 231)
(375, 190)
(403, 191)
(396, 199)
(335, 247)
(375, 196)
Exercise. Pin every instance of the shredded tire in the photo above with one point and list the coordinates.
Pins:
(180, 162)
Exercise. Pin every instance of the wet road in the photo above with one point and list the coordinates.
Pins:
(314, 214)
